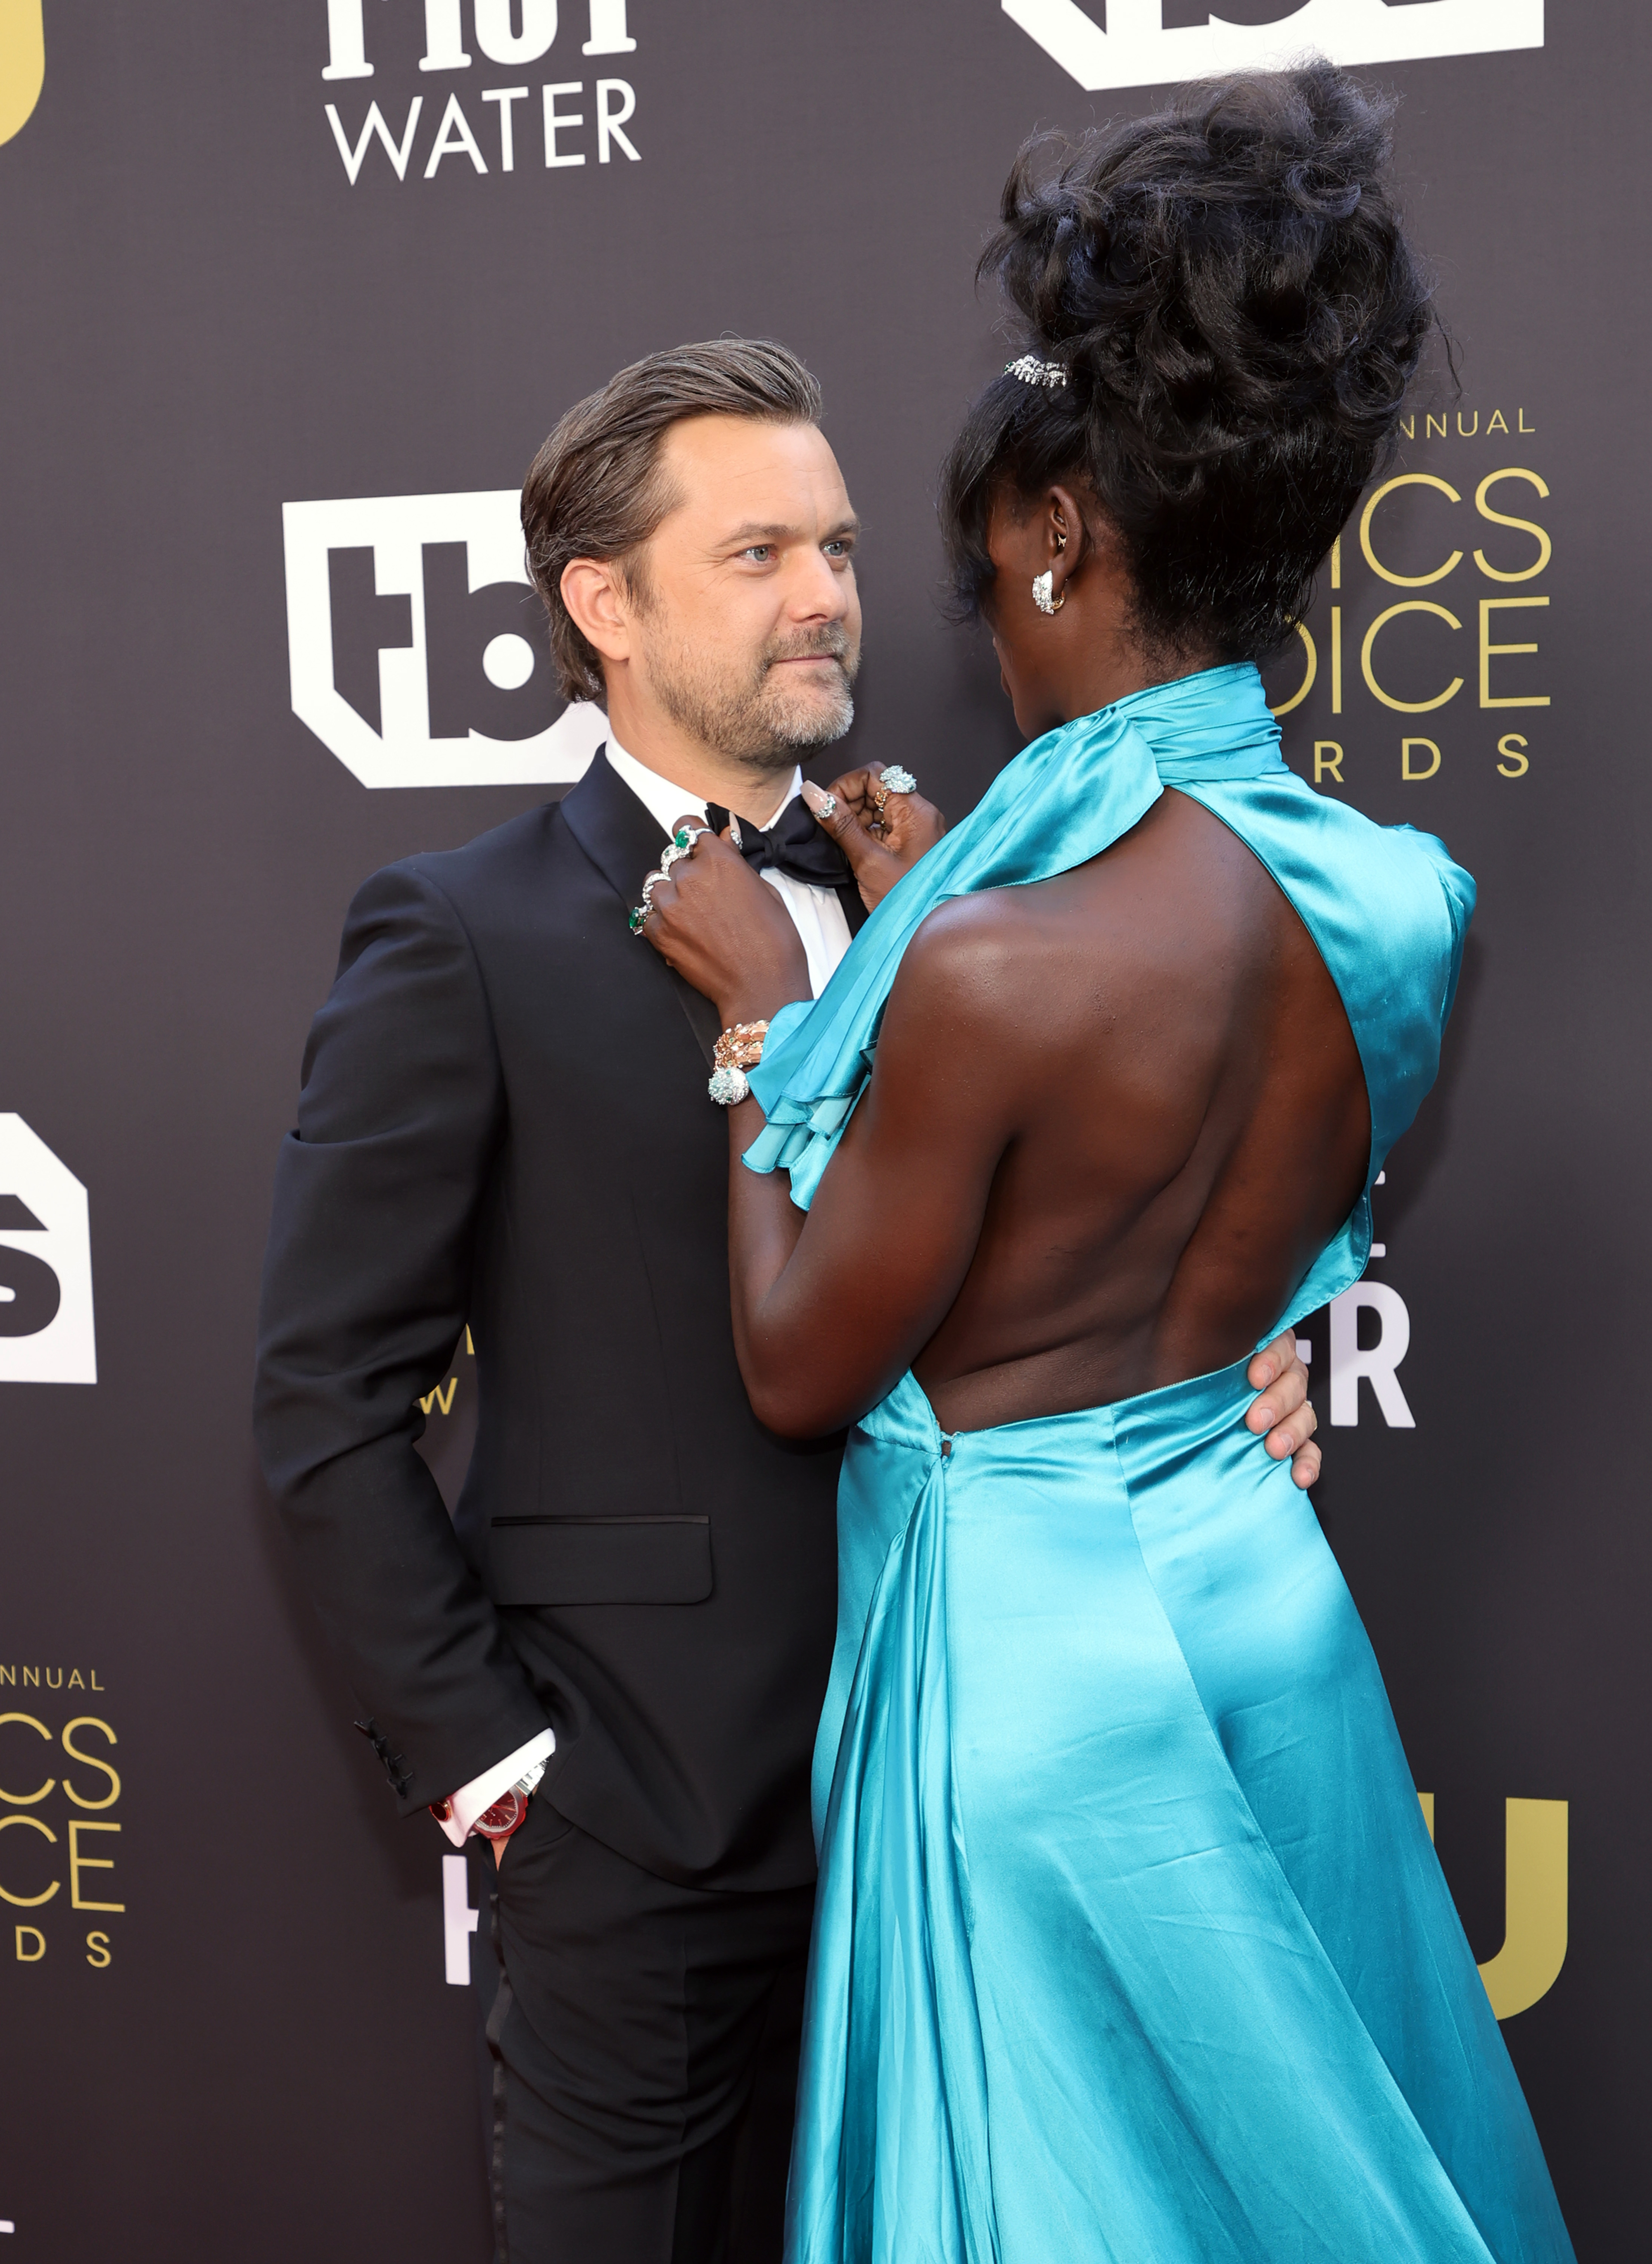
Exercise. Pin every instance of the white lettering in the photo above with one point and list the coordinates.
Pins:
(444, 36)
(501, 45)
(389, 742)
(504, 96)
(1349, 1360)
(1128, 43)
(555, 122)
(47, 1333)
(608, 30)
(375, 124)
(611, 119)
(346, 41)
(459, 1921)
(453, 137)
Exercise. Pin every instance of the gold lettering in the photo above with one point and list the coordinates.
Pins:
(1406, 581)
(1428, 428)
(1545, 548)
(1408, 426)
(33, 1823)
(1335, 660)
(31, 1678)
(1512, 748)
(469, 1347)
(27, 1799)
(1335, 557)
(1406, 707)
(1521, 425)
(91, 1721)
(1406, 772)
(1473, 429)
(77, 1863)
(22, 65)
(30, 1957)
(98, 1950)
(74, 1682)
(9, 1674)
(1498, 424)
(1328, 761)
(50, 1684)
(1535, 1902)
(444, 1399)
(1488, 607)
(95, 1682)
(1535, 1898)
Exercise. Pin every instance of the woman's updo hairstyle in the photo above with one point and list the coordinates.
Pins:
(1229, 292)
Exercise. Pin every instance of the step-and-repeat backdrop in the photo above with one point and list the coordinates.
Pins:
(291, 295)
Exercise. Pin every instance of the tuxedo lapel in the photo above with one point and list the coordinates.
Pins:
(623, 841)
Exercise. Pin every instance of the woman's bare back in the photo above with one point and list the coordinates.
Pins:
(1178, 1160)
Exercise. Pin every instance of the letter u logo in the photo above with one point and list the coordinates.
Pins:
(1535, 1898)
(22, 63)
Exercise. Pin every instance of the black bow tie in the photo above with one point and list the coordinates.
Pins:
(794, 844)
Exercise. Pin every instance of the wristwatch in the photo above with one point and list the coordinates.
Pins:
(505, 1814)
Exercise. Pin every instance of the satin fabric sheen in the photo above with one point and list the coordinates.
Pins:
(1131, 1944)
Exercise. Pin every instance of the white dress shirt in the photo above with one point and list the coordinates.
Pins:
(816, 913)
(818, 917)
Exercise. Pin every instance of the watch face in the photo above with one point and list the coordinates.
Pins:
(501, 1819)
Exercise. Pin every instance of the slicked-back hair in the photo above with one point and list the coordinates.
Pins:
(1229, 290)
(595, 490)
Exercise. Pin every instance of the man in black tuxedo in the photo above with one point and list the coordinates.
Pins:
(605, 1672)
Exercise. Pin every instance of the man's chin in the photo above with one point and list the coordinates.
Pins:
(805, 724)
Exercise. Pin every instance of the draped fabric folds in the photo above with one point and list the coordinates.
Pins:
(1131, 1945)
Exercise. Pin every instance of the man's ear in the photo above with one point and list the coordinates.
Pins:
(599, 606)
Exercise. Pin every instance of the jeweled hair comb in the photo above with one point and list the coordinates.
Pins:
(1031, 371)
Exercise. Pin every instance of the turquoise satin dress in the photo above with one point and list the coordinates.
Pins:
(1132, 1945)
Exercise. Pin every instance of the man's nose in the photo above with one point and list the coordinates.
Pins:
(815, 591)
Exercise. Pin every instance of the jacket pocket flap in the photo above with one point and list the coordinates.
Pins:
(600, 1560)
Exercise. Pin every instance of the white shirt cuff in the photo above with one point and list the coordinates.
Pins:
(473, 1799)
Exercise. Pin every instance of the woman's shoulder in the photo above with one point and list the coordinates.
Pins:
(961, 955)
(1322, 845)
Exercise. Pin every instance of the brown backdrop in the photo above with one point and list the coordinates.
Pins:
(255, 2051)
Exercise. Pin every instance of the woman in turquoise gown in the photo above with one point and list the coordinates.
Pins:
(1131, 1945)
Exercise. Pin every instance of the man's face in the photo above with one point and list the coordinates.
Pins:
(745, 619)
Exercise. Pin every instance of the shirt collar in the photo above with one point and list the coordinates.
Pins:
(665, 802)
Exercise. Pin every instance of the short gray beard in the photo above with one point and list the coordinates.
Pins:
(744, 722)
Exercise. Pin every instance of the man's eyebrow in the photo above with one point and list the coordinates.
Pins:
(752, 532)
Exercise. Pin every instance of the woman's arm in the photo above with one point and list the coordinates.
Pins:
(831, 1308)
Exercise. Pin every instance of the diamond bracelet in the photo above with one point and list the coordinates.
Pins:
(739, 1049)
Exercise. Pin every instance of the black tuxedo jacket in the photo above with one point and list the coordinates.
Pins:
(504, 1122)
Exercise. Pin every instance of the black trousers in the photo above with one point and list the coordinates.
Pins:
(643, 2044)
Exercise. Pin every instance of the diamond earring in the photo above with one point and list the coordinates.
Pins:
(1043, 597)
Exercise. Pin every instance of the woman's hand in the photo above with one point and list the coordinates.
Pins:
(881, 844)
(726, 930)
